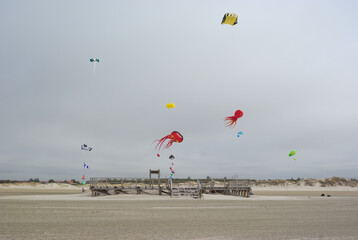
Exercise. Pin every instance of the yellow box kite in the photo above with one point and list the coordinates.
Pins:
(171, 105)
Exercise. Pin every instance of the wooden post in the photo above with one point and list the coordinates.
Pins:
(159, 178)
(171, 187)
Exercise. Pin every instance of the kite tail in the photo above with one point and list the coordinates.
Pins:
(94, 67)
(169, 144)
(231, 121)
(161, 141)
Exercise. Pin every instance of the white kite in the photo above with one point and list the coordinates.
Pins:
(85, 147)
(94, 61)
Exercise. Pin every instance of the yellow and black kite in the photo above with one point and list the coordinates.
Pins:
(230, 18)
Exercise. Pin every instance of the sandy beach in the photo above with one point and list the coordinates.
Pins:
(65, 213)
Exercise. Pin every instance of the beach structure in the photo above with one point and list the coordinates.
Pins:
(115, 185)
(172, 187)
(191, 189)
(154, 172)
(127, 185)
(237, 187)
(121, 185)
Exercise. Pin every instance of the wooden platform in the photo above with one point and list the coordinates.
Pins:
(113, 186)
(238, 187)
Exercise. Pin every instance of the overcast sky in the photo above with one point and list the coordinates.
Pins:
(290, 66)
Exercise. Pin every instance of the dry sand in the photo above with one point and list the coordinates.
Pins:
(269, 214)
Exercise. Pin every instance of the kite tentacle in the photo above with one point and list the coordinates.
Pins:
(161, 141)
(169, 144)
(231, 121)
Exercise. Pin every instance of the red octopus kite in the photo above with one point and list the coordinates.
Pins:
(231, 120)
(173, 137)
